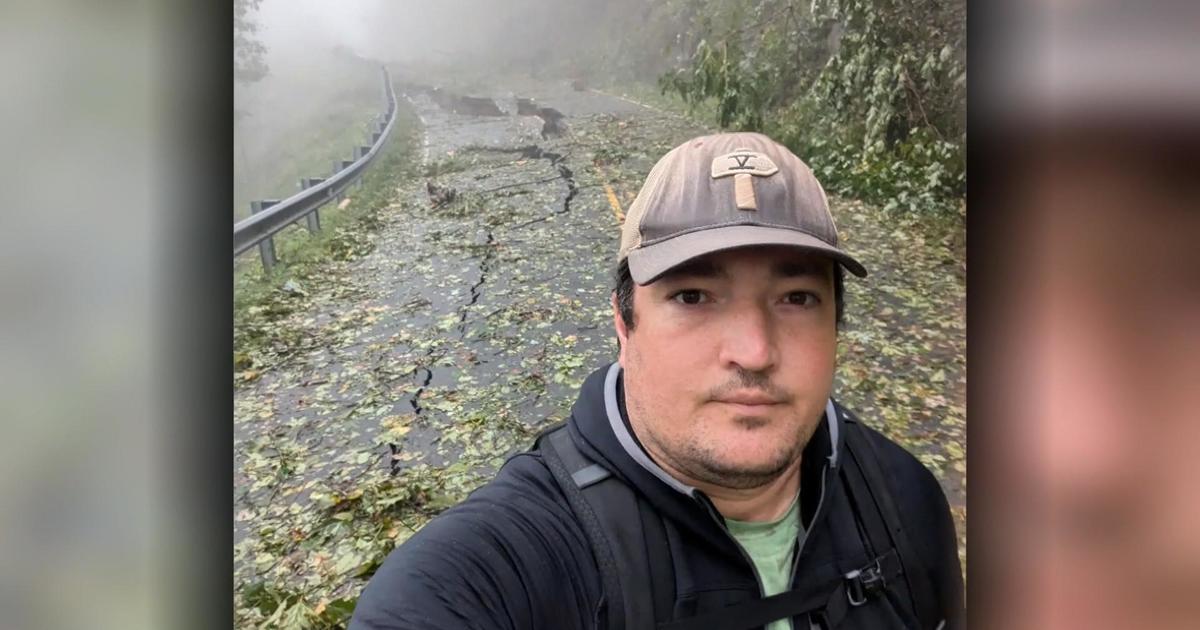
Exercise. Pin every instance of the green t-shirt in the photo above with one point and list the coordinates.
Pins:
(771, 545)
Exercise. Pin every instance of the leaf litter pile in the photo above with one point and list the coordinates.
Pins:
(372, 395)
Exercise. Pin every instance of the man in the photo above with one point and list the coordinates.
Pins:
(707, 479)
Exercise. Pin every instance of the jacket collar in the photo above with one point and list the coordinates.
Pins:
(616, 421)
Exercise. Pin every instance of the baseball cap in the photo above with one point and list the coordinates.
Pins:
(726, 191)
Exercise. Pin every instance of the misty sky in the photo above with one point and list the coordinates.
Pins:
(420, 30)
(290, 26)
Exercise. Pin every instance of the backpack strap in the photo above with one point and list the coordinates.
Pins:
(860, 585)
(872, 528)
(614, 520)
(658, 556)
(830, 602)
(871, 496)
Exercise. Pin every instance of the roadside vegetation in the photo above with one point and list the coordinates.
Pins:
(297, 121)
(871, 94)
(261, 300)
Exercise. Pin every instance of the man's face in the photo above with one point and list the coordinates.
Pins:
(730, 363)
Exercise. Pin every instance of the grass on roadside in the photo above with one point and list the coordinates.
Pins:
(278, 141)
(260, 299)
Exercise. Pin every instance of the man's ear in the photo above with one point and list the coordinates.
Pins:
(622, 331)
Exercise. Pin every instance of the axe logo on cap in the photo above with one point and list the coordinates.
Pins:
(743, 164)
(743, 161)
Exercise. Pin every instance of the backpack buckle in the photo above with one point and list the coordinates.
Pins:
(863, 583)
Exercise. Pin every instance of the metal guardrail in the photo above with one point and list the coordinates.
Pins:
(269, 217)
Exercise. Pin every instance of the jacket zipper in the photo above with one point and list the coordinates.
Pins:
(712, 511)
(804, 540)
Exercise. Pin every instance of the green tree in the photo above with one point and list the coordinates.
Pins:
(248, 53)
(871, 92)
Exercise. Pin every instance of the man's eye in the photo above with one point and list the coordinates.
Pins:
(802, 298)
(689, 296)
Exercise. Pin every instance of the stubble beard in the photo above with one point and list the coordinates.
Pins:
(704, 465)
(699, 462)
(695, 458)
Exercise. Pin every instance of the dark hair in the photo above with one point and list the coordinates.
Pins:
(624, 292)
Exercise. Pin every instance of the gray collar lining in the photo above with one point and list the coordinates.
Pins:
(622, 432)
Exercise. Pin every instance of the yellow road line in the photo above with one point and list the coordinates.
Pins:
(616, 205)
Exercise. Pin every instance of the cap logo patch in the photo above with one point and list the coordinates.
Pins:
(744, 165)
(743, 161)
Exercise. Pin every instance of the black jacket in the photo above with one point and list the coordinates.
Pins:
(514, 555)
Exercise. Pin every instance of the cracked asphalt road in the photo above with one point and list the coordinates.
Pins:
(472, 323)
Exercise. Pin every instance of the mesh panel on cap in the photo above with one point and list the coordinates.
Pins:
(631, 230)
(837, 237)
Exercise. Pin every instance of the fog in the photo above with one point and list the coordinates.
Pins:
(322, 57)
(564, 37)
(309, 74)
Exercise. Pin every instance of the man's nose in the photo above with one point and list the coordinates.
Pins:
(749, 340)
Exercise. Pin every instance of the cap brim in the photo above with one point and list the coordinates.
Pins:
(649, 262)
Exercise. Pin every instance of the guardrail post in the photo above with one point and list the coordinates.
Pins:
(337, 167)
(267, 246)
(250, 232)
(313, 218)
(359, 151)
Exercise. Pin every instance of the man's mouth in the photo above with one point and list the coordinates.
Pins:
(749, 399)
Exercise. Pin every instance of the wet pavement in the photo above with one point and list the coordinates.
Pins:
(473, 321)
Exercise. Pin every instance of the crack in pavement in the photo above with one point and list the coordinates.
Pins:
(558, 161)
(423, 373)
(415, 401)
(484, 268)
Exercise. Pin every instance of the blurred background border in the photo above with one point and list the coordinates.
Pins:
(115, 301)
